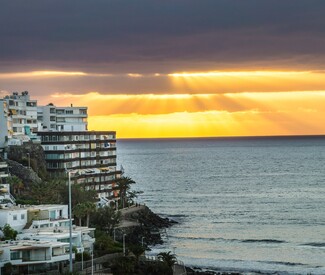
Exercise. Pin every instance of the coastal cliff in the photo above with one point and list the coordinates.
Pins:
(142, 225)
(24, 156)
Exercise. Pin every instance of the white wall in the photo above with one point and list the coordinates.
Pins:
(17, 218)
(3, 125)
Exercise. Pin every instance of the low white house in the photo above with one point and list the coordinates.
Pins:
(46, 223)
(43, 238)
(82, 237)
(27, 216)
(47, 216)
(34, 256)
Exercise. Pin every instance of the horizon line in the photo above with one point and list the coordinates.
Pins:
(225, 137)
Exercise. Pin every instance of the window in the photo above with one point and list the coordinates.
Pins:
(30, 104)
(69, 112)
(14, 217)
(15, 255)
(60, 119)
(22, 216)
(52, 214)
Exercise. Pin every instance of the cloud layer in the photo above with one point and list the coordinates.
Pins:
(165, 36)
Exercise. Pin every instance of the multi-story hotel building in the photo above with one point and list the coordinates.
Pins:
(90, 156)
(22, 113)
(18, 120)
(5, 125)
(52, 118)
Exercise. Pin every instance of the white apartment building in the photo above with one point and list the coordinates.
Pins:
(5, 124)
(20, 118)
(34, 256)
(22, 112)
(3, 172)
(52, 118)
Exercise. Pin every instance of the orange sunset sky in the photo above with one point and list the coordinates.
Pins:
(173, 69)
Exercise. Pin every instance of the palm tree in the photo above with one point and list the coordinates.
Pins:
(79, 194)
(124, 184)
(39, 192)
(56, 185)
(124, 265)
(84, 209)
(16, 184)
(89, 208)
(168, 258)
(137, 250)
(105, 219)
(79, 212)
(46, 192)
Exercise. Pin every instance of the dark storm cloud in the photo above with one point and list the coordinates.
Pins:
(148, 35)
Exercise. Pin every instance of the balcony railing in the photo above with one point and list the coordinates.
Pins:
(36, 259)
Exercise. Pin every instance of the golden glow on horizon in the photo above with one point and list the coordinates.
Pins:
(44, 74)
(35, 74)
(96, 95)
(187, 115)
(134, 75)
(207, 124)
(248, 81)
(238, 73)
(215, 103)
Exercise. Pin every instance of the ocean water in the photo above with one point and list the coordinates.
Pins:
(242, 204)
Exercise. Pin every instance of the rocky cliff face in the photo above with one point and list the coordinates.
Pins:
(27, 175)
(20, 157)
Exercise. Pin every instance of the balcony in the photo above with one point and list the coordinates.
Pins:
(3, 174)
(36, 258)
(3, 165)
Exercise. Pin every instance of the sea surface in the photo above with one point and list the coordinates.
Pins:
(242, 204)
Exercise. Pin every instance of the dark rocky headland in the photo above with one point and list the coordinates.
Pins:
(142, 225)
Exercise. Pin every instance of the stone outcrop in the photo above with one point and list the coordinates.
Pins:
(27, 175)
(27, 154)
(141, 224)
